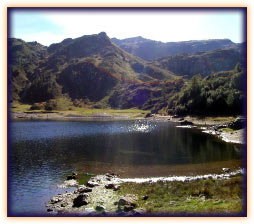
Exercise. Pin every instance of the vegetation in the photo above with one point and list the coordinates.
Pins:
(218, 94)
(204, 197)
(92, 72)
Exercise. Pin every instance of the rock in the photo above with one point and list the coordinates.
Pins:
(226, 170)
(49, 210)
(238, 123)
(139, 211)
(186, 122)
(91, 184)
(56, 199)
(145, 197)
(117, 188)
(128, 208)
(128, 199)
(84, 189)
(148, 115)
(80, 200)
(71, 177)
(99, 208)
(109, 175)
(175, 116)
(89, 211)
(64, 204)
(109, 186)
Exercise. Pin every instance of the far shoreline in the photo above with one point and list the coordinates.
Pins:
(207, 124)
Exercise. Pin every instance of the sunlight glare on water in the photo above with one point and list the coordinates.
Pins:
(141, 126)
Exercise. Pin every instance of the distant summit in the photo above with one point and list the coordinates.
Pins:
(151, 49)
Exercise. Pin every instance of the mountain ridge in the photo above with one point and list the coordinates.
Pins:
(151, 49)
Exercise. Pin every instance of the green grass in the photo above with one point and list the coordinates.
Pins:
(83, 178)
(227, 130)
(18, 107)
(194, 197)
(132, 113)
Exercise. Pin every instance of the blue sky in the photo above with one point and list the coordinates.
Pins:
(49, 26)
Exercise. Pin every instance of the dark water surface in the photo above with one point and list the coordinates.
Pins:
(41, 152)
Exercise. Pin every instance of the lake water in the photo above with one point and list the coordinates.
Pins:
(40, 154)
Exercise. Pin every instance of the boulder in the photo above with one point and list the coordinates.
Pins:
(128, 199)
(185, 122)
(226, 170)
(128, 208)
(148, 115)
(73, 176)
(84, 189)
(109, 186)
(145, 197)
(116, 187)
(92, 184)
(80, 200)
(238, 123)
(99, 208)
(56, 199)
(139, 211)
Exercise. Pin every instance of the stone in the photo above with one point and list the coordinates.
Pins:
(84, 189)
(116, 187)
(89, 211)
(91, 184)
(128, 199)
(145, 197)
(185, 122)
(238, 123)
(80, 200)
(55, 200)
(71, 177)
(128, 208)
(139, 211)
(109, 175)
(64, 204)
(99, 208)
(148, 115)
(49, 210)
(109, 186)
(226, 170)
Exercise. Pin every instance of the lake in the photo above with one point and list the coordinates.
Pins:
(40, 154)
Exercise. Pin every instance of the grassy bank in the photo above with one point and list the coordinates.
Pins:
(199, 197)
(132, 113)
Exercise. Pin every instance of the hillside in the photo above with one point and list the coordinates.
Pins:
(203, 63)
(89, 67)
(93, 72)
(150, 49)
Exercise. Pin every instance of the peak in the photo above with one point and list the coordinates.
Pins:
(102, 34)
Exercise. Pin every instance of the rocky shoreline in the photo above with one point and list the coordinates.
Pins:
(97, 197)
(231, 130)
(101, 195)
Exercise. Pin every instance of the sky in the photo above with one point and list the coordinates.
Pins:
(53, 26)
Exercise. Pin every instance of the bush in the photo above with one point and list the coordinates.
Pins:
(37, 106)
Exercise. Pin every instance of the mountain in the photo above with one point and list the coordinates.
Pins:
(89, 67)
(203, 63)
(150, 49)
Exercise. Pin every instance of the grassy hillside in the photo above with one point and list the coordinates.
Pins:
(86, 68)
